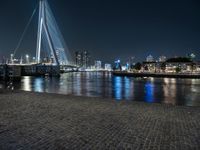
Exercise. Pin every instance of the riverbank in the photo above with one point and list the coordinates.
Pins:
(53, 121)
(157, 75)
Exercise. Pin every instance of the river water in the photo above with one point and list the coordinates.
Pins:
(103, 84)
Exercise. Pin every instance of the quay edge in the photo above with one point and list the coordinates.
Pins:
(158, 75)
(17, 71)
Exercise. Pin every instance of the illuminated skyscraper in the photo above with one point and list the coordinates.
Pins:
(78, 58)
(97, 65)
(86, 59)
(82, 59)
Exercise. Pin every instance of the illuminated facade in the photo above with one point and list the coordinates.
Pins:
(82, 59)
(162, 58)
(98, 65)
(149, 58)
(108, 67)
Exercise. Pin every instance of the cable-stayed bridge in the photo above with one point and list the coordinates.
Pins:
(49, 42)
(50, 38)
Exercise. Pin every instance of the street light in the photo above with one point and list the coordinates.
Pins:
(34, 59)
(27, 58)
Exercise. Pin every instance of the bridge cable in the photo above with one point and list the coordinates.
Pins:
(25, 30)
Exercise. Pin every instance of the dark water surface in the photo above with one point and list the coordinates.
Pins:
(99, 84)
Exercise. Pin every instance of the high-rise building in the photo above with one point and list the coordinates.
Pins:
(86, 59)
(78, 56)
(97, 65)
(117, 65)
(108, 67)
(60, 56)
(82, 58)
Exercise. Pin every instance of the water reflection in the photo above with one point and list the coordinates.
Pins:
(117, 88)
(193, 95)
(149, 92)
(169, 91)
(26, 84)
(96, 84)
(38, 84)
(127, 88)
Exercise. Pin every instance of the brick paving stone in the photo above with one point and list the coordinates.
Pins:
(52, 121)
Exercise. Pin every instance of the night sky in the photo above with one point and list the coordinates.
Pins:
(109, 29)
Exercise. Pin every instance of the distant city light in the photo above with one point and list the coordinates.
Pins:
(27, 59)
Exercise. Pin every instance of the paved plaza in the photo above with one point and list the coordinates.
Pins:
(52, 121)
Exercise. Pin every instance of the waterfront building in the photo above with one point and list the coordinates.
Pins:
(198, 67)
(86, 59)
(124, 68)
(82, 59)
(162, 58)
(149, 66)
(98, 65)
(78, 56)
(117, 66)
(172, 65)
(60, 56)
(191, 56)
(108, 67)
(149, 58)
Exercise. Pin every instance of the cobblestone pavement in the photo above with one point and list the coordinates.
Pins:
(52, 121)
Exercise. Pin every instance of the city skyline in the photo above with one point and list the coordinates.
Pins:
(109, 30)
(100, 74)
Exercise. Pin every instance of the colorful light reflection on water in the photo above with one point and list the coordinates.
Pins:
(102, 84)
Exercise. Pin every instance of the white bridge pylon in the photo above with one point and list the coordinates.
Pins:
(49, 37)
